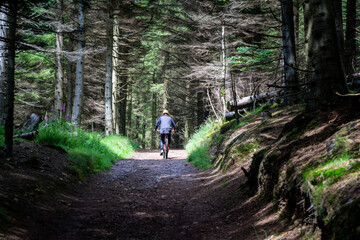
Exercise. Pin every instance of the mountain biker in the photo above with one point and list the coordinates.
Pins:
(166, 123)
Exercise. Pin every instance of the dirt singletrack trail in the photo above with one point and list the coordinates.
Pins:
(148, 197)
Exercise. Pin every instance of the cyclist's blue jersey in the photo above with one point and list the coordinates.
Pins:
(166, 123)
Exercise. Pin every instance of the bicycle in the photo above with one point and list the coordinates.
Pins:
(166, 147)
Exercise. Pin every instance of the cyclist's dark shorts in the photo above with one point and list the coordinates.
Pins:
(162, 137)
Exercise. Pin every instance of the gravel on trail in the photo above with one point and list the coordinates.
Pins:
(148, 197)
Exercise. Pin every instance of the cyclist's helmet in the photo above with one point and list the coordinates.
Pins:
(166, 112)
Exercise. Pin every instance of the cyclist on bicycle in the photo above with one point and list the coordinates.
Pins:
(166, 123)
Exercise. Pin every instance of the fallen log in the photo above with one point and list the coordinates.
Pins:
(27, 136)
(249, 101)
(231, 115)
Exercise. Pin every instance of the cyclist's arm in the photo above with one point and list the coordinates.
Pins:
(173, 125)
(157, 124)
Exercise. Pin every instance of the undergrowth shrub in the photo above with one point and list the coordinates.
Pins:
(89, 151)
(199, 144)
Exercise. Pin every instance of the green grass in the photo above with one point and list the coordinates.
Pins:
(4, 215)
(319, 178)
(199, 144)
(89, 151)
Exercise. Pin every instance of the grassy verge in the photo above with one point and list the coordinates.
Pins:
(89, 151)
(325, 180)
(199, 144)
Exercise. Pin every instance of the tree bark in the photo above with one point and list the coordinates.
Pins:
(115, 78)
(9, 106)
(339, 29)
(154, 111)
(129, 121)
(70, 81)
(350, 37)
(249, 101)
(289, 52)
(166, 81)
(79, 82)
(324, 63)
(123, 90)
(59, 79)
(200, 105)
(3, 36)
(224, 89)
(189, 114)
(108, 77)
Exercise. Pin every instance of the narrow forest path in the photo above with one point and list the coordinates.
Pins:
(147, 197)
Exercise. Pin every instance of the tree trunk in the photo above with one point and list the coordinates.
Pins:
(123, 90)
(327, 75)
(188, 113)
(297, 23)
(249, 101)
(154, 112)
(79, 82)
(200, 105)
(3, 36)
(129, 113)
(59, 79)
(224, 90)
(166, 82)
(9, 106)
(108, 77)
(69, 81)
(350, 41)
(115, 90)
(288, 41)
(339, 29)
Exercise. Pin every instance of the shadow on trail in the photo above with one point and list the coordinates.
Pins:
(148, 197)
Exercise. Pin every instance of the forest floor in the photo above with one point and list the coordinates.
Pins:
(145, 197)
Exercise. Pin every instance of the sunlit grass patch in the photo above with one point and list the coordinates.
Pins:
(89, 151)
(199, 144)
(329, 177)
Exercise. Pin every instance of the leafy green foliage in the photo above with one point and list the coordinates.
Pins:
(252, 57)
(89, 151)
(199, 144)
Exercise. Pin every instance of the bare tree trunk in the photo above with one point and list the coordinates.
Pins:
(123, 90)
(154, 112)
(350, 41)
(166, 82)
(200, 105)
(189, 116)
(108, 77)
(129, 113)
(9, 106)
(115, 90)
(59, 80)
(79, 82)
(327, 75)
(339, 29)
(224, 62)
(3, 36)
(288, 41)
(69, 81)
(233, 88)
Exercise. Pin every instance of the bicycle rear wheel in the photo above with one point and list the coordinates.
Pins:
(166, 151)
